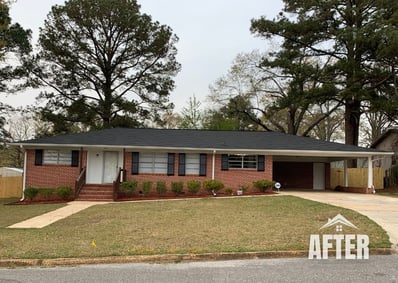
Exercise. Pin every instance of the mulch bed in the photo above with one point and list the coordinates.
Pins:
(26, 202)
(186, 196)
(142, 197)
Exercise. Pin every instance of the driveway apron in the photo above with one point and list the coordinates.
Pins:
(381, 209)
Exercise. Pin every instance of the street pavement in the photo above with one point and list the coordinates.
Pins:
(374, 269)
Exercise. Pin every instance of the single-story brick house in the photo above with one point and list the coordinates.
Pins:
(236, 158)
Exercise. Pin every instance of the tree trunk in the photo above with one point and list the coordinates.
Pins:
(291, 129)
(352, 119)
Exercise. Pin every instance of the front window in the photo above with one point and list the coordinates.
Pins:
(57, 157)
(242, 161)
(153, 163)
(192, 164)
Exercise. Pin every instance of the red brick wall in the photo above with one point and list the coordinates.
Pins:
(50, 176)
(289, 174)
(232, 178)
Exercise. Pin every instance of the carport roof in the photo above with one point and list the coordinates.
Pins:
(220, 141)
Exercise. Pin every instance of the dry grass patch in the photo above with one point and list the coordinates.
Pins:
(183, 226)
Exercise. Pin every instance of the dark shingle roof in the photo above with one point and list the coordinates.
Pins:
(196, 139)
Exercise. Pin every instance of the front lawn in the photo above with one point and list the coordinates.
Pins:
(11, 214)
(184, 226)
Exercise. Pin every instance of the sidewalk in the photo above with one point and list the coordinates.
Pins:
(55, 215)
(381, 209)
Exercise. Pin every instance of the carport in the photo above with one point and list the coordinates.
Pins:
(311, 169)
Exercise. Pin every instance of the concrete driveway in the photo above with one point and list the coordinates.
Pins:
(381, 209)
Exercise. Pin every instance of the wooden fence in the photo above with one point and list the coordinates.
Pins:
(357, 177)
(392, 176)
(10, 187)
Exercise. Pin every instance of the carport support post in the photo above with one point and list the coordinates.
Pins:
(370, 173)
(345, 174)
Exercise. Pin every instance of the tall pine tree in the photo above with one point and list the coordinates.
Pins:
(360, 38)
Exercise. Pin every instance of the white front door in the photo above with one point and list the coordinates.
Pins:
(102, 166)
(319, 176)
(110, 166)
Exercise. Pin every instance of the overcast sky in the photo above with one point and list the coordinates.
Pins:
(211, 33)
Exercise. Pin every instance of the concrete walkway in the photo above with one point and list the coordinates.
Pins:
(55, 215)
(381, 209)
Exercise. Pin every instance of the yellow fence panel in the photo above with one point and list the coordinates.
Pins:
(10, 187)
(357, 177)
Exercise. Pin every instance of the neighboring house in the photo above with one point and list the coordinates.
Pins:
(234, 157)
(387, 142)
(10, 172)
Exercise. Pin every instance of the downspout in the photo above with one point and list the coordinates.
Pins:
(213, 165)
(124, 165)
(24, 175)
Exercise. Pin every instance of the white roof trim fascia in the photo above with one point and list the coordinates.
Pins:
(315, 153)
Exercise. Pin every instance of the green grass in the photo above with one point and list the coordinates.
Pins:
(184, 226)
(11, 214)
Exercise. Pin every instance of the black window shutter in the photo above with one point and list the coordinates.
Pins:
(170, 164)
(75, 158)
(181, 164)
(260, 163)
(224, 162)
(135, 162)
(203, 164)
(38, 157)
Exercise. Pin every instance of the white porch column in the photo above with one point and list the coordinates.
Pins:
(370, 172)
(213, 165)
(345, 174)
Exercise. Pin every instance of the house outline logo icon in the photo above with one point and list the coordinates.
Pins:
(339, 221)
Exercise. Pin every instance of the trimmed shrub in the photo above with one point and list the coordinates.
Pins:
(177, 187)
(212, 186)
(263, 185)
(46, 193)
(228, 191)
(146, 187)
(244, 188)
(193, 186)
(31, 192)
(161, 188)
(128, 187)
(64, 192)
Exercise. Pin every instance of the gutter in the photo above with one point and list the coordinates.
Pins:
(281, 152)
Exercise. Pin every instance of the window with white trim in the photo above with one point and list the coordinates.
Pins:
(242, 161)
(153, 163)
(192, 163)
(57, 157)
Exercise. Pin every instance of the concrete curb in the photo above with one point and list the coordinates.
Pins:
(167, 258)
